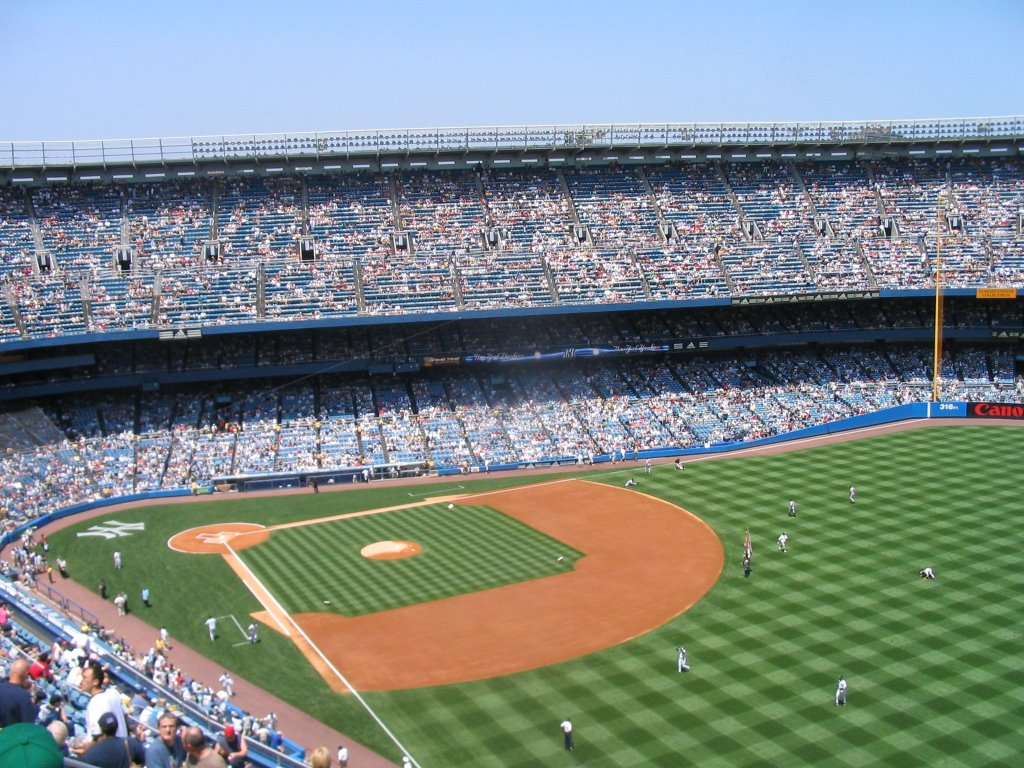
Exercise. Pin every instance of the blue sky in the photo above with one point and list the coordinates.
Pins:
(83, 69)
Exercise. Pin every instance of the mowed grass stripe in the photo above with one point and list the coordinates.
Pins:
(464, 550)
(924, 659)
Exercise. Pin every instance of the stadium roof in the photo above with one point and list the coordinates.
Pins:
(447, 148)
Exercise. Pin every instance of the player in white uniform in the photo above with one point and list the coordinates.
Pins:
(841, 691)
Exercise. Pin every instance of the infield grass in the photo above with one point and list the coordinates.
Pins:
(935, 668)
(465, 549)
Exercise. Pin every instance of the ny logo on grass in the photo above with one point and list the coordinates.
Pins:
(113, 529)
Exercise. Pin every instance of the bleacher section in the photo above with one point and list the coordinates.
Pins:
(473, 415)
(421, 242)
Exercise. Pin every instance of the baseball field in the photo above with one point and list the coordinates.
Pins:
(578, 592)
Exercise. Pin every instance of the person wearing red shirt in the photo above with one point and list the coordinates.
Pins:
(40, 669)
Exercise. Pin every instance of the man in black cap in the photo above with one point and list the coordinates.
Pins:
(111, 751)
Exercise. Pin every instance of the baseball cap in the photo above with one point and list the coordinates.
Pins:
(229, 731)
(108, 724)
(27, 745)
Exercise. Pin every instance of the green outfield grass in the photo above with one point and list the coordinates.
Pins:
(935, 668)
(465, 549)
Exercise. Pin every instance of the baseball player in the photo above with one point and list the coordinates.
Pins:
(841, 691)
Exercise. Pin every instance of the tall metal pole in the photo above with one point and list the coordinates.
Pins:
(937, 351)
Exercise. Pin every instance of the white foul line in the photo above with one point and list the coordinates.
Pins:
(320, 653)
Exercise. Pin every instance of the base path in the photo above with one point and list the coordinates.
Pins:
(646, 561)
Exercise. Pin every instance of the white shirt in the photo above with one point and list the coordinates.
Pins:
(107, 700)
(566, 726)
(783, 538)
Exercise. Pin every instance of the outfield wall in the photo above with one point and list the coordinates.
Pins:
(884, 416)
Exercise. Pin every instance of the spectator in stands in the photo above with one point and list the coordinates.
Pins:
(16, 704)
(321, 758)
(167, 749)
(40, 669)
(59, 730)
(28, 744)
(109, 750)
(200, 754)
(103, 699)
(53, 711)
(232, 747)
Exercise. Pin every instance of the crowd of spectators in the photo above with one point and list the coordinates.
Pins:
(17, 247)
(168, 223)
(259, 217)
(415, 242)
(464, 416)
(60, 676)
(443, 212)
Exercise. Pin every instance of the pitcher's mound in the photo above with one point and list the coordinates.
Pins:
(391, 550)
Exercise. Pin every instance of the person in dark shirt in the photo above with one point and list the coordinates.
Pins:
(16, 705)
(110, 751)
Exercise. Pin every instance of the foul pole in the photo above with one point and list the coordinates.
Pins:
(937, 351)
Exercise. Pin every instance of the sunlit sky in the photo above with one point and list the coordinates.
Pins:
(93, 69)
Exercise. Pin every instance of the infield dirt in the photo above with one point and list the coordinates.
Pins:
(646, 562)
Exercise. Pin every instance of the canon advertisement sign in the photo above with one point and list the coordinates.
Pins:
(996, 410)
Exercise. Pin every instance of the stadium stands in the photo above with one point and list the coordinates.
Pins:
(409, 243)
(577, 314)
